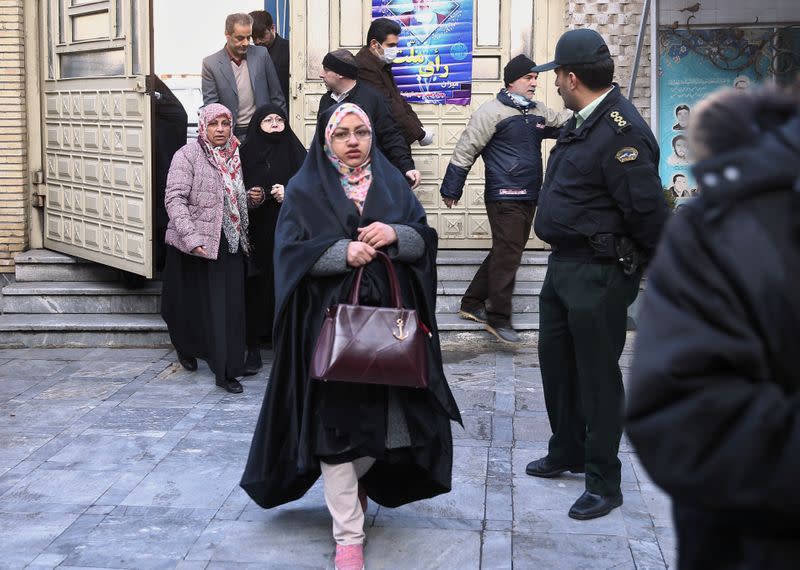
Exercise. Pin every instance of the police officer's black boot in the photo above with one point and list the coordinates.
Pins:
(253, 362)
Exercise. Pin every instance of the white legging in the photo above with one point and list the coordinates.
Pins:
(340, 483)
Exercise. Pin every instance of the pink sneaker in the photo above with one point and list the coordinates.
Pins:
(350, 557)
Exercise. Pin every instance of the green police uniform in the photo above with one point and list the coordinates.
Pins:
(601, 202)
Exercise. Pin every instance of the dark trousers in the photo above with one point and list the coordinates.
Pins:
(493, 284)
(583, 316)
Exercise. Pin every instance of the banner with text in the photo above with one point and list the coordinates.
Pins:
(435, 61)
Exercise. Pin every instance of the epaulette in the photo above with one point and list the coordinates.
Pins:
(618, 122)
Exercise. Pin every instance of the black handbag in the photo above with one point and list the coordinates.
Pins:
(372, 345)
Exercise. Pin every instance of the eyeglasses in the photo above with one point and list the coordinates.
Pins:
(344, 136)
(273, 121)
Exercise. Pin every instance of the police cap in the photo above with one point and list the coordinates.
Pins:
(576, 47)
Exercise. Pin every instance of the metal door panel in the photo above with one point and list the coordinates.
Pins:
(97, 120)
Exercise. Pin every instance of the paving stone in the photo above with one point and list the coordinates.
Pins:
(297, 543)
(131, 354)
(47, 353)
(15, 447)
(533, 427)
(81, 389)
(30, 369)
(229, 418)
(126, 420)
(61, 486)
(138, 542)
(105, 453)
(395, 547)
(477, 427)
(466, 500)
(44, 416)
(199, 472)
(571, 551)
(25, 535)
(496, 553)
(12, 388)
(647, 555)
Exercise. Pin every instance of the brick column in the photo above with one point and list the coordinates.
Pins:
(618, 21)
(13, 134)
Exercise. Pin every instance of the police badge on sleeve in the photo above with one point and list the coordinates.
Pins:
(627, 154)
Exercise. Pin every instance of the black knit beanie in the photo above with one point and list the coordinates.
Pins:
(335, 62)
(516, 68)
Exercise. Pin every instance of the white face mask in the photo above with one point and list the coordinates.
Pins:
(390, 54)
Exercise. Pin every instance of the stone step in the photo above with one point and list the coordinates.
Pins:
(50, 330)
(81, 297)
(44, 265)
(462, 265)
(476, 257)
(525, 299)
(452, 322)
(530, 272)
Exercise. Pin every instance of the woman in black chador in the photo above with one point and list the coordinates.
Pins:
(271, 155)
(390, 443)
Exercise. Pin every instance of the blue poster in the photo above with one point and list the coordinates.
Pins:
(435, 61)
(693, 65)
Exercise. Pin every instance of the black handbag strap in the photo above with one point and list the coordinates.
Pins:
(394, 285)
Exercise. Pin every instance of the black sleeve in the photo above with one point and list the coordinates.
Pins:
(630, 168)
(704, 413)
(390, 136)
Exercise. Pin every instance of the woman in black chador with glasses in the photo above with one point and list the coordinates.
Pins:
(271, 155)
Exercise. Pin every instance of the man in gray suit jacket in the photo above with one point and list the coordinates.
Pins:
(241, 76)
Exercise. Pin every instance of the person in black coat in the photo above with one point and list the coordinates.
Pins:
(340, 75)
(264, 34)
(271, 155)
(169, 136)
(714, 398)
(393, 444)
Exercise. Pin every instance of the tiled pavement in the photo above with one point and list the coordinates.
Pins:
(118, 458)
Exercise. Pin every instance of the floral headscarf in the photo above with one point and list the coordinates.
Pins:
(226, 159)
(355, 180)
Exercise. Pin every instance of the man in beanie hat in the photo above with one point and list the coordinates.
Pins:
(507, 132)
(340, 75)
(601, 209)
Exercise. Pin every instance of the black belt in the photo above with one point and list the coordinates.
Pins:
(578, 252)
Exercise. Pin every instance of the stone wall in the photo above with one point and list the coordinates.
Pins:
(618, 21)
(13, 135)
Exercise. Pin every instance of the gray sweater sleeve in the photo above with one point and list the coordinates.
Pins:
(333, 261)
(409, 246)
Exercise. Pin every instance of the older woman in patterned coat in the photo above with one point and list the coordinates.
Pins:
(203, 293)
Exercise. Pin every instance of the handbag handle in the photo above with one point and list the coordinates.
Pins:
(394, 285)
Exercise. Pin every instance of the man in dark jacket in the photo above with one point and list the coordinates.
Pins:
(507, 132)
(714, 399)
(602, 209)
(375, 68)
(264, 34)
(340, 73)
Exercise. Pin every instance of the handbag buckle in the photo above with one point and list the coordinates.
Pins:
(400, 334)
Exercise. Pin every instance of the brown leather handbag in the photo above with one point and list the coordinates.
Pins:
(372, 345)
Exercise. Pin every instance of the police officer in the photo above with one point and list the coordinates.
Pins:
(601, 209)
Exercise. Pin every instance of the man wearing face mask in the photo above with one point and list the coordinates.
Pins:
(375, 68)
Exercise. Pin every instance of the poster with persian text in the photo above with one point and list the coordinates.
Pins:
(434, 65)
(692, 65)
